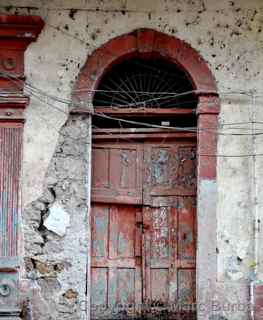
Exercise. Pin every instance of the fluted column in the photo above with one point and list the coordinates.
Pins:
(16, 33)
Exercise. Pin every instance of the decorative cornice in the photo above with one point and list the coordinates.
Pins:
(12, 107)
(20, 27)
(16, 33)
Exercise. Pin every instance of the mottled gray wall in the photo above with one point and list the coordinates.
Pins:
(228, 35)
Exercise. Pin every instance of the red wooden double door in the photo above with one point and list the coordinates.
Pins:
(143, 229)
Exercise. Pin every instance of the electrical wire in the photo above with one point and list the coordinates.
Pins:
(199, 154)
(168, 94)
(186, 129)
(36, 92)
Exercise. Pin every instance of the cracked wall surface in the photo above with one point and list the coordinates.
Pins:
(55, 229)
(228, 35)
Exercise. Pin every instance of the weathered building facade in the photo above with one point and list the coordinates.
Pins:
(58, 53)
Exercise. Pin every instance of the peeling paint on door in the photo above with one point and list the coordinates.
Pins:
(144, 254)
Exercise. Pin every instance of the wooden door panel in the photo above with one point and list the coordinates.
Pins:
(116, 264)
(186, 286)
(122, 233)
(158, 230)
(186, 229)
(117, 173)
(121, 288)
(169, 250)
(99, 230)
(156, 222)
(170, 170)
(101, 173)
(159, 286)
(99, 287)
(143, 254)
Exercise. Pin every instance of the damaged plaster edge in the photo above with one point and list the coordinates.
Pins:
(42, 185)
(206, 217)
(88, 184)
(206, 260)
(25, 204)
(55, 211)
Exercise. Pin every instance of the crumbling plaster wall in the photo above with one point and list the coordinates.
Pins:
(228, 34)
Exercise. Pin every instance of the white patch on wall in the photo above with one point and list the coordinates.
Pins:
(58, 220)
(235, 275)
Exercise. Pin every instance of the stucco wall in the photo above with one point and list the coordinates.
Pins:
(228, 35)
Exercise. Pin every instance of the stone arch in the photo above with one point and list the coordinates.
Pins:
(144, 42)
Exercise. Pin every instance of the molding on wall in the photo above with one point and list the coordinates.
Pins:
(16, 33)
(12, 107)
(20, 27)
(147, 43)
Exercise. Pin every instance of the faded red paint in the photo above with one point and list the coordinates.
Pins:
(16, 33)
(257, 302)
(111, 180)
(170, 170)
(150, 42)
(10, 161)
(146, 42)
(169, 198)
(143, 254)
(116, 260)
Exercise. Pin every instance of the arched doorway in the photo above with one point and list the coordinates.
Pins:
(146, 175)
